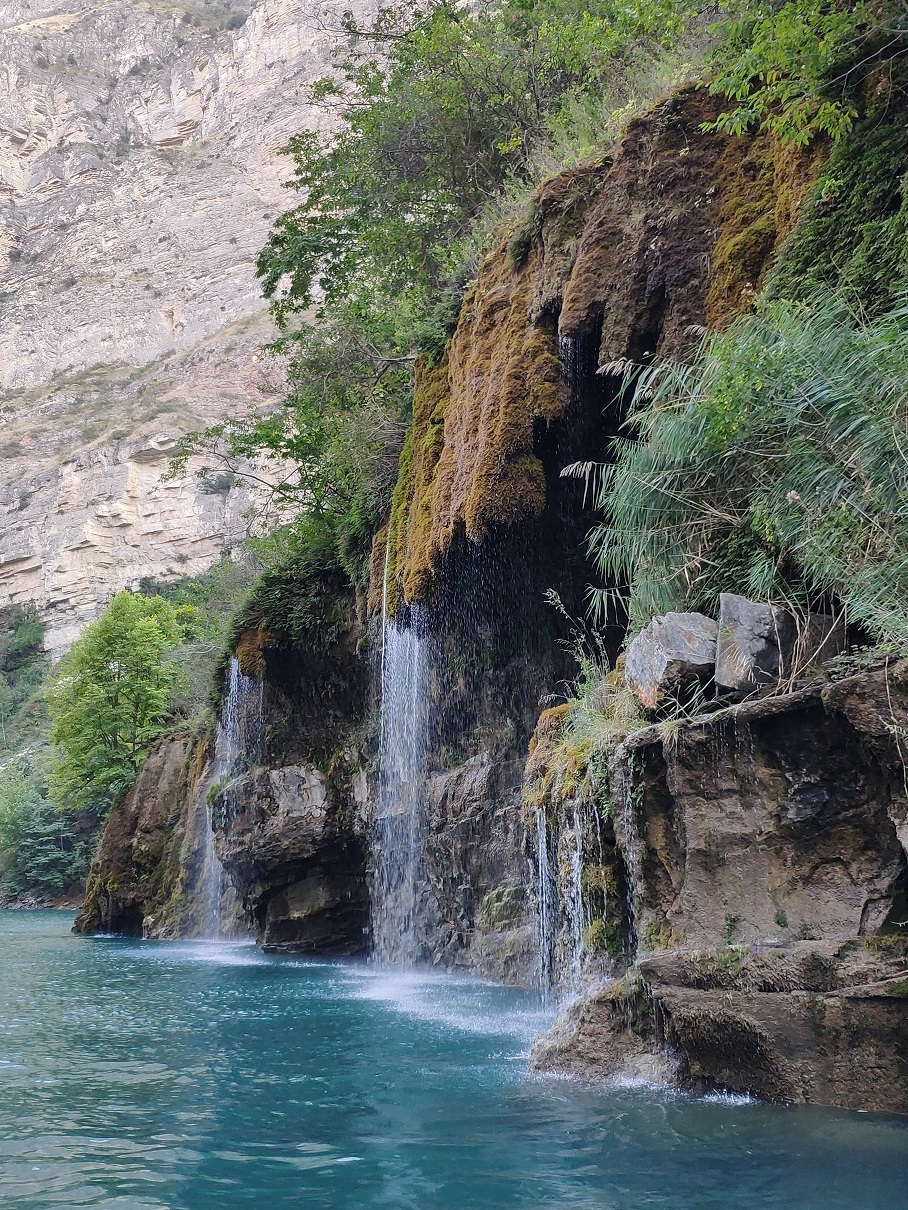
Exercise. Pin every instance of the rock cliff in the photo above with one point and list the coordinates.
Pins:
(736, 883)
(145, 878)
(763, 853)
(140, 168)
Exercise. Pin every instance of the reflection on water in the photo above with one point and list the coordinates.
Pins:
(144, 1076)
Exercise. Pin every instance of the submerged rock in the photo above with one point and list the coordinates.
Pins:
(673, 653)
(807, 1022)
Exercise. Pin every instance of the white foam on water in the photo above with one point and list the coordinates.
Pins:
(466, 1005)
(728, 1098)
(217, 953)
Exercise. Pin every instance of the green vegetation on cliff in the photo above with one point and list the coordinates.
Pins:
(23, 667)
(445, 118)
(41, 853)
(774, 465)
(109, 699)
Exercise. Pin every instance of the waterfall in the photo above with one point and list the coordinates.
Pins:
(578, 918)
(546, 903)
(239, 733)
(237, 745)
(567, 851)
(627, 833)
(401, 789)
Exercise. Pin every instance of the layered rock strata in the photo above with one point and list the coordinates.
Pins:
(764, 851)
(140, 169)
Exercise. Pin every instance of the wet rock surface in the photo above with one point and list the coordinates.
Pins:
(808, 1022)
(143, 879)
(769, 902)
(476, 912)
(286, 846)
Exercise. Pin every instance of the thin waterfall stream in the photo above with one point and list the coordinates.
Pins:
(237, 745)
(401, 788)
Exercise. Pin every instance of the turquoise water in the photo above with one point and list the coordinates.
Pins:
(141, 1075)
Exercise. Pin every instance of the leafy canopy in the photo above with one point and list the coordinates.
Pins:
(40, 854)
(438, 102)
(110, 698)
(776, 464)
(796, 67)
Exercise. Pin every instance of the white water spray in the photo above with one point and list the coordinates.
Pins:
(400, 824)
(237, 745)
(545, 894)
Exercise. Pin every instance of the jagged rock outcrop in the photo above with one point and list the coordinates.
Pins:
(812, 1021)
(742, 836)
(476, 913)
(300, 866)
(140, 169)
(145, 877)
(755, 645)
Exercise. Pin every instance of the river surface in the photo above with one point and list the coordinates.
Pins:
(145, 1075)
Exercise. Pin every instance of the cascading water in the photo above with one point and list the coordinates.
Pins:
(237, 745)
(568, 850)
(401, 789)
(545, 895)
(627, 832)
(578, 916)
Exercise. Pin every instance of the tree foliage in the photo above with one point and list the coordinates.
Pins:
(110, 697)
(23, 666)
(776, 465)
(796, 67)
(40, 852)
(438, 103)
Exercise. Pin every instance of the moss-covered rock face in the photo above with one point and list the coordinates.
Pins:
(153, 848)
(852, 231)
(618, 260)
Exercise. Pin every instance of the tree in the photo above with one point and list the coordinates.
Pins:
(40, 853)
(110, 698)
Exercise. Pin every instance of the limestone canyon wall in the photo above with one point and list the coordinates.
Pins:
(140, 168)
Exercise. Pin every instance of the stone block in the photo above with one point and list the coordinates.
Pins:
(755, 643)
(672, 653)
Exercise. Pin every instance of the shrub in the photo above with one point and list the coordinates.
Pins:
(774, 465)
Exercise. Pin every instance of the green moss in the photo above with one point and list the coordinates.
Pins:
(501, 908)
(764, 183)
(899, 989)
(603, 937)
(853, 229)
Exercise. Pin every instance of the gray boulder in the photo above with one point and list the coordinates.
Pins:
(755, 644)
(672, 653)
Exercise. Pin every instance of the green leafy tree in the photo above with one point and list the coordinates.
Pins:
(40, 853)
(110, 698)
(438, 103)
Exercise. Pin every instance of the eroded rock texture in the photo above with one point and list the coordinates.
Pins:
(145, 877)
(768, 884)
(476, 912)
(140, 169)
